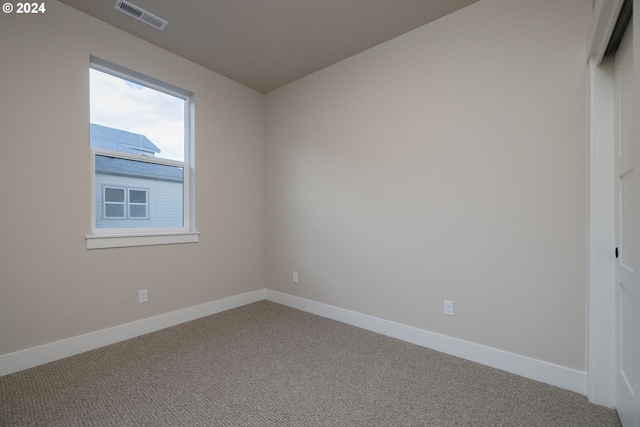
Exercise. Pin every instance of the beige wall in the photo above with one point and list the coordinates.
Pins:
(449, 163)
(51, 286)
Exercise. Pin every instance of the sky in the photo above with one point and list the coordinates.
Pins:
(124, 105)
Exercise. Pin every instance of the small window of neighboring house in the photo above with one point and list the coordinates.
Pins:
(120, 203)
(142, 146)
(114, 203)
(138, 203)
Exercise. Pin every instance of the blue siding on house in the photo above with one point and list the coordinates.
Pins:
(165, 202)
(164, 184)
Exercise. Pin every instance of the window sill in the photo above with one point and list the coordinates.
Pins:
(98, 241)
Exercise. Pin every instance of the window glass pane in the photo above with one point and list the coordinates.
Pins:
(131, 118)
(138, 128)
(137, 196)
(161, 203)
(114, 210)
(138, 211)
(114, 195)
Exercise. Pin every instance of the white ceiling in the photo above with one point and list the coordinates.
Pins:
(265, 44)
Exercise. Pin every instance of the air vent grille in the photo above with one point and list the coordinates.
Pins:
(140, 14)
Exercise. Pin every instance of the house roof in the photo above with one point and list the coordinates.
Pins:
(119, 140)
(123, 167)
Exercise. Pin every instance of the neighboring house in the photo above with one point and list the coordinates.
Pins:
(134, 194)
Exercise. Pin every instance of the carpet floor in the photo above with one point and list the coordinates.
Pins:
(265, 364)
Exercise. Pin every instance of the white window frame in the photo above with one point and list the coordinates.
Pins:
(105, 202)
(126, 203)
(122, 237)
(145, 204)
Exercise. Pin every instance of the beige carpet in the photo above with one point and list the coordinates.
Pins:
(265, 364)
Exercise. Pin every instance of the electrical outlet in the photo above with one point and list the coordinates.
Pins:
(142, 296)
(448, 307)
(295, 277)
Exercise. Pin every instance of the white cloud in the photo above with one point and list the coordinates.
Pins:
(127, 106)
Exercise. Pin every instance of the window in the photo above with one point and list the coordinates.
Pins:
(141, 146)
(138, 204)
(117, 199)
(113, 202)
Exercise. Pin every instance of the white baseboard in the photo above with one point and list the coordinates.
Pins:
(31, 357)
(549, 373)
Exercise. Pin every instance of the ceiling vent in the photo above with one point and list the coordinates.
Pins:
(140, 14)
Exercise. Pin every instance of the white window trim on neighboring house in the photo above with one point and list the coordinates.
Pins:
(106, 202)
(123, 237)
(145, 204)
(126, 203)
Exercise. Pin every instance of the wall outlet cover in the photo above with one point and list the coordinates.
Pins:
(142, 296)
(448, 307)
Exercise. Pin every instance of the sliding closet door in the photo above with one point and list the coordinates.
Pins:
(627, 292)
